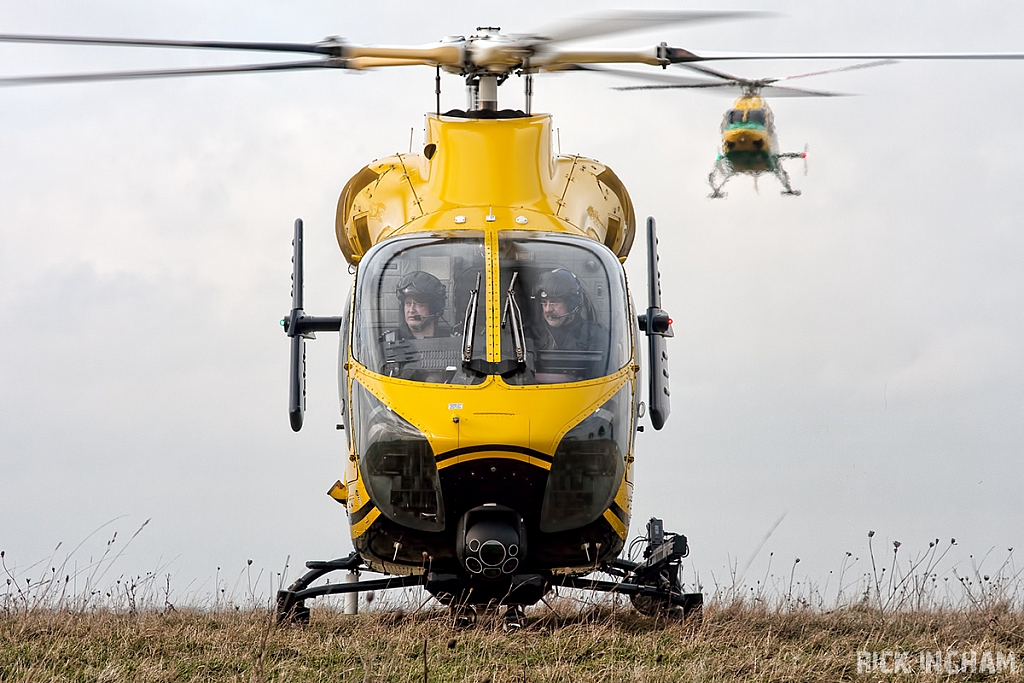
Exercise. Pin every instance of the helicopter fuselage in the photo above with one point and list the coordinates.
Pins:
(748, 136)
(488, 440)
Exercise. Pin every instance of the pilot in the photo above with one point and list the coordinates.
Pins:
(423, 297)
(562, 304)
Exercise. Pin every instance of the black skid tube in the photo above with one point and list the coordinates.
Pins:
(290, 602)
(360, 586)
(688, 601)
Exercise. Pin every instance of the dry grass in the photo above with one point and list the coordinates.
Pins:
(62, 622)
(735, 642)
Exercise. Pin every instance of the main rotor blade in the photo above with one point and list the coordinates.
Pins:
(444, 54)
(712, 72)
(624, 21)
(651, 78)
(786, 91)
(853, 67)
(676, 86)
(782, 91)
(767, 91)
(163, 73)
(326, 48)
(680, 56)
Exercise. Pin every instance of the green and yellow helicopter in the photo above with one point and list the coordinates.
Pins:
(490, 352)
(750, 144)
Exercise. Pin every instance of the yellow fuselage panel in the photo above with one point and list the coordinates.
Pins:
(357, 494)
(504, 162)
(502, 165)
(750, 102)
(486, 218)
(532, 418)
(746, 140)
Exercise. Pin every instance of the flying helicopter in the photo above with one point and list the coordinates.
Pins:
(750, 144)
(488, 458)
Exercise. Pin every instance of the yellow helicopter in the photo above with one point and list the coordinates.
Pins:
(489, 364)
(750, 143)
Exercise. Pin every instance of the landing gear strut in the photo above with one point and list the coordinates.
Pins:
(653, 585)
(291, 603)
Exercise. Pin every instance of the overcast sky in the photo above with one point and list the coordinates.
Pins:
(851, 358)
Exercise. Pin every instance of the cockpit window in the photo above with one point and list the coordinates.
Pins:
(414, 301)
(563, 307)
(734, 116)
(757, 116)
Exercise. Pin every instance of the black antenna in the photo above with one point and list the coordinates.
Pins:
(529, 86)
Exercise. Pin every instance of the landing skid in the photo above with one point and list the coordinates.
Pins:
(722, 173)
(653, 585)
(291, 605)
(718, 177)
(783, 177)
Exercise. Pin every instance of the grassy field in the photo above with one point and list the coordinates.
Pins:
(898, 619)
(738, 642)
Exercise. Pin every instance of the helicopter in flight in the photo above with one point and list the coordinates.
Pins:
(750, 144)
(490, 352)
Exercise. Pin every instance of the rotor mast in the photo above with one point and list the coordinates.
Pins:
(483, 78)
(487, 93)
(482, 92)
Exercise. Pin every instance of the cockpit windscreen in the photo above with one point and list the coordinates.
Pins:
(418, 301)
(569, 293)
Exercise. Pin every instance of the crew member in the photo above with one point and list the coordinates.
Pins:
(567, 327)
(423, 297)
(562, 301)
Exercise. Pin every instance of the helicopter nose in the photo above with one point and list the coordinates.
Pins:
(491, 541)
(758, 144)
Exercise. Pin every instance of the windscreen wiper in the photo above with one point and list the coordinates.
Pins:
(469, 326)
(512, 311)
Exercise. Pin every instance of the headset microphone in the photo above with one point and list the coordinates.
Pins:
(564, 315)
